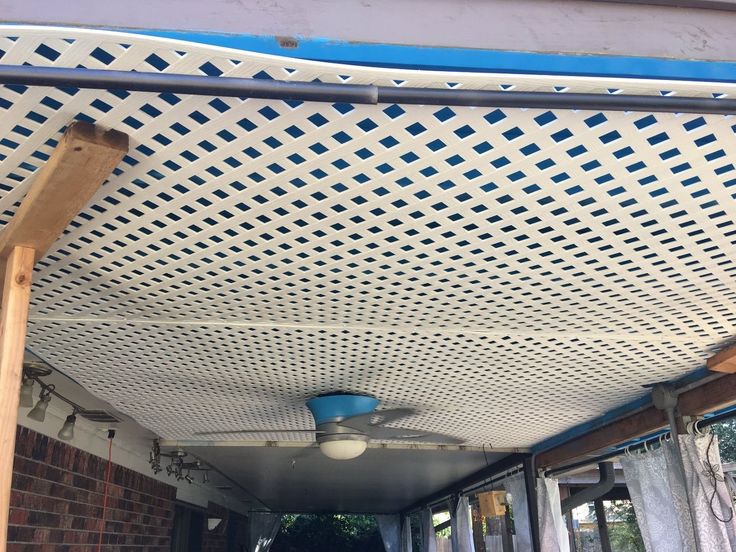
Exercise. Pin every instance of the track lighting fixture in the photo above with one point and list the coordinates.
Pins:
(38, 412)
(177, 466)
(66, 433)
(32, 374)
(26, 393)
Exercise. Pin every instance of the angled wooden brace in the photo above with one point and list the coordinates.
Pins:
(80, 163)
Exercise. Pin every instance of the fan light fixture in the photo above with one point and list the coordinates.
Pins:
(344, 423)
(344, 449)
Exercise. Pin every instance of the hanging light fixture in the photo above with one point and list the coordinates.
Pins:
(66, 433)
(32, 374)
(26, 393)
(39, 411)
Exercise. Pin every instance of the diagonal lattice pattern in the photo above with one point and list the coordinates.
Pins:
(509, 273)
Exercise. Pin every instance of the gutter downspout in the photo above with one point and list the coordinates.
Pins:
(590, 494)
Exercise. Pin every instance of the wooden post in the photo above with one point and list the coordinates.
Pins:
(84, 157)
(13, 322)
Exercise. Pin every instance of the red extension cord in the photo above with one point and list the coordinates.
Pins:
(104, 499)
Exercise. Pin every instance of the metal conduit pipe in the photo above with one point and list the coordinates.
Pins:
(589, 494)
(138, 81)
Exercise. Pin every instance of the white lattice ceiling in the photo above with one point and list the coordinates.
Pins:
(509, 273)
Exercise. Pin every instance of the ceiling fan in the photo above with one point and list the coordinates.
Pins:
(344, 423)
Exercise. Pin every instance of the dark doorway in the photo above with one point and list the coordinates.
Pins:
(186, 535)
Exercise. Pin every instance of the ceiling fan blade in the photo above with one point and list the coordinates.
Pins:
(303, 453)
(364, 422)
(238, 431)
(380, 433)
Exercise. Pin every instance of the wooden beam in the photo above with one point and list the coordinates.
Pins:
(714, 394)
(80, 163)
(723, 361)
(620, 431)
(13, 322)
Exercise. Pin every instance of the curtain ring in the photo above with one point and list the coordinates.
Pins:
(699, 431)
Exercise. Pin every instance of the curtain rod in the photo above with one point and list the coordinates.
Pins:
(202, 85)
(638, 446)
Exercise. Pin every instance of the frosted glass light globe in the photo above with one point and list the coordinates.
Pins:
(344, 449)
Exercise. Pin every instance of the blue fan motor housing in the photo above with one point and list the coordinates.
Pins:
(332, 408)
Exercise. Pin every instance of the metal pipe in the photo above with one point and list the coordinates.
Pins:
(199, 85)
(494, 480)
(139, 81)
(504, 464)
(590, 494)
(489, 482)
(664, 397)
(442, 526)
(555, 100)
(530, 479)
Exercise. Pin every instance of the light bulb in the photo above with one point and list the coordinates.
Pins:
(39, 411)
(345, 449)
(66, 433)
(26, 393)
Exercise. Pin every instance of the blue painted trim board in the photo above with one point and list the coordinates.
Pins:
(464, 59)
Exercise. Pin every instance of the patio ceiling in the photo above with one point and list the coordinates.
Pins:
(382, 480)
(508, 273)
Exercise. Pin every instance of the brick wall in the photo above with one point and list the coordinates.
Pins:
(56, 502)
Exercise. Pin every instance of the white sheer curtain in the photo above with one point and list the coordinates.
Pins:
(390, 527)
(516, 487)
(264, 526)
(395, 532)
(662, 501)
(406, 544)
(461, 525)
(429, 537)
(709, 496)
(552, 531)
(659, 500)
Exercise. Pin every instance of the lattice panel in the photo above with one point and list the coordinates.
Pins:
(510, 273)
(510, 390)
